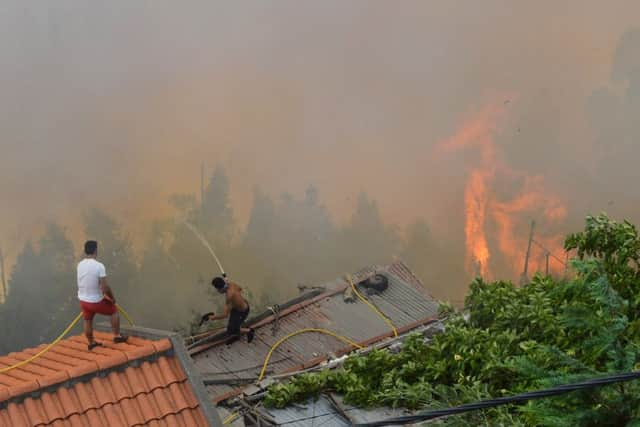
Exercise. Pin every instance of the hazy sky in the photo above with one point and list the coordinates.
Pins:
(117, 103)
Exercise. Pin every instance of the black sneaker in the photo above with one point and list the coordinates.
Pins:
(93, 345)
(120, 339)
(251, 335)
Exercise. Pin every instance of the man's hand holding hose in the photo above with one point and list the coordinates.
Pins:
(205, 317)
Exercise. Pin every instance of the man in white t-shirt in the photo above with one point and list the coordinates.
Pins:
(95, 295)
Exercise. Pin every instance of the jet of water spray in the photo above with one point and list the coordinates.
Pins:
(204, 241)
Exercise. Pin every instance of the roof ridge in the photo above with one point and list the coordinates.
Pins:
(415, 281)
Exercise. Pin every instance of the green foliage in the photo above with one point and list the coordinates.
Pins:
(515, 339)
(445, 309)
(616, 247)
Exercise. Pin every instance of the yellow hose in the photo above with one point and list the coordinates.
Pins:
(326, 332)
(125, 314)
(303, 331)
(56, 341)
(373, 307)
(44, 350)
(230, 418)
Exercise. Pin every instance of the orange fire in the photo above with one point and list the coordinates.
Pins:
(475, 200)
(502, 223)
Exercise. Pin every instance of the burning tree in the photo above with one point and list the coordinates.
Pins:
(498, 199)
(516, 339)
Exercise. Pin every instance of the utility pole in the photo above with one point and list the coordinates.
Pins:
(3, 280)
(525, 276)
(202, 185)
(547, 261)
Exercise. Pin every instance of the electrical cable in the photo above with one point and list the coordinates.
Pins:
(519, 398)
(549, 252)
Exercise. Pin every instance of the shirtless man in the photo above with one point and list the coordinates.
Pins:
(236, 308)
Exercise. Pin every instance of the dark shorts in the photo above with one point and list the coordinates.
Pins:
(236, 318)
(90, 309)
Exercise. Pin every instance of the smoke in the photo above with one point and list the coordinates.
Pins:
(499, 196)
(116, 105)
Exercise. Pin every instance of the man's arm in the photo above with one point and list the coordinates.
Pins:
(104, 286)
(106, 290)
(221, 316)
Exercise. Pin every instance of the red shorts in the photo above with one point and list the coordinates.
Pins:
(105, 307)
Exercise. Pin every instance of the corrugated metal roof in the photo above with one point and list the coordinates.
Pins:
(405, 302)
(316, 412)
(360, 415)
(228, 414)
(325, 412)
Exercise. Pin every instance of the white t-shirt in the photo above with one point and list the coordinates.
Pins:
(90, 272)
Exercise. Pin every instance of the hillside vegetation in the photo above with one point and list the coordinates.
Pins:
(163, 280)
(516, 339)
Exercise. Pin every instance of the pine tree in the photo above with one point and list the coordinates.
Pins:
(42, 292)
(216, 216)
(114, 251)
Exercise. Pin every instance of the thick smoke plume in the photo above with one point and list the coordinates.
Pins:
(434, 132)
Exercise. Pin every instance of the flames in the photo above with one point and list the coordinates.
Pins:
(500, 203)
(476, 200)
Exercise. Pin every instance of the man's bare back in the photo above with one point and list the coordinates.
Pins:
(235, 300)
(236, 308)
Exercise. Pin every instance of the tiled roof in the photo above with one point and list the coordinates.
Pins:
(406, 302)
(138, 383)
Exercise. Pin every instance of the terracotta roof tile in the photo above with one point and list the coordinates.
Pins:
(23, 388)
(4, 418)
(53, 407)
(162, 345)
(106, 388)
(17, 416)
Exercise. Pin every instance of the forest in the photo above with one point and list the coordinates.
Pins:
(288, 243)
